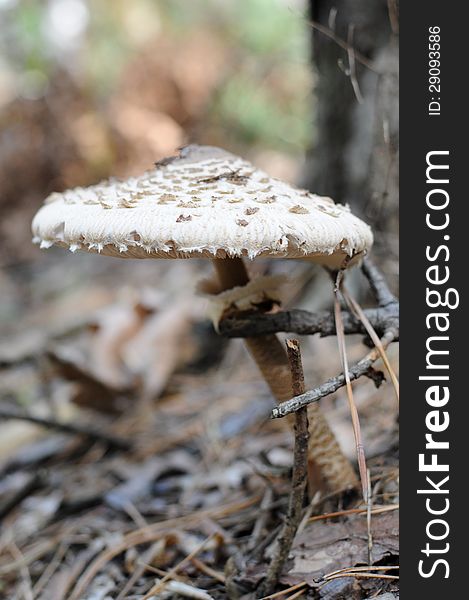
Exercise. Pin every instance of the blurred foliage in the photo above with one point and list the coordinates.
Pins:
(263, 94)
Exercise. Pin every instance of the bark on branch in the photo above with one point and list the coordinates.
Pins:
(384, 317)
(363, 367)
(304, 322)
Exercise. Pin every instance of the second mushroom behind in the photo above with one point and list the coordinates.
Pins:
(209, 203)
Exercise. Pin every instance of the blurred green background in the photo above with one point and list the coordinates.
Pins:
(92, 87)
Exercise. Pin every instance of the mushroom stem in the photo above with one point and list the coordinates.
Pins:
(266, 350)
(329, 461)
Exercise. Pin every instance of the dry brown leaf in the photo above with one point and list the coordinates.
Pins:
(89, 391)
(113, 328)
(326, 546)
(158, 348)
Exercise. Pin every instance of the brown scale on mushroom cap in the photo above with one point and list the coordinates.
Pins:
(292, 223)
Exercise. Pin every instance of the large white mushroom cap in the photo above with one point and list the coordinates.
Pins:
(204, 203)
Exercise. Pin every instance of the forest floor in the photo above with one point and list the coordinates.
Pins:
(138, 458)
(155, 460)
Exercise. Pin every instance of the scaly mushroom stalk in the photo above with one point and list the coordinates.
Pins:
(325, 455)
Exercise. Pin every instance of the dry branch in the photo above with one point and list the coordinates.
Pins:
(303, 322)
(72, 428)
(299, 476)
(379, 287)
(344, 45)
(383, 318)
(363, 367)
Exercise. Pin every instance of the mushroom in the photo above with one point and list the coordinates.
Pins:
(209, 203)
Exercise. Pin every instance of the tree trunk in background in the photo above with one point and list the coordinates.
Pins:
(354, 157)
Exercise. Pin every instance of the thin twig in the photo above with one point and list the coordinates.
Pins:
(293, 588)
(296, 595)
(348, 385)
(140, 569)
(160, 572)
(359, 569)
(367, 572)
(344, 45)
(354, 511)
(51, 568)
(28, 557)
(359, 313)
(24, 572)
(287, 534)
(199, 564)
(72, 428)
(161, 583)
(362, 576)
(378, 284)
(352, 66)
(309, 510)
(368, 520)
(333, 384)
